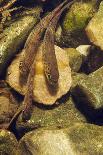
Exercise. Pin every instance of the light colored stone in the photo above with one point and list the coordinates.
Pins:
(83, 49)
(41, 93)
(94, 29)
(80, 139)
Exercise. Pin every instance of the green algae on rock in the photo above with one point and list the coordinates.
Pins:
(78, 16)
(90, 90)
(94, 29)
(74, 22)
(80, 139)
(8, 143)
(13, 38)
(75, 59)
(76, 77)
(64, 114)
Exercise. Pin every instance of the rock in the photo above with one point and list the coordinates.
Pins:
(70, 39)
(8, 143)
(93, 61)
(89, 93)
(82, 12)
(42, 94)
(80, 139)
(94, 29)
(84, 49)
(74, 23)
(76, 77)
(75, 59)
(62, 115)
(14, 37)
(8, 106)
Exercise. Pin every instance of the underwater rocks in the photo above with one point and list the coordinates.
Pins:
(42, 94)
(80, 139)
(76, 77)
(89, 92)
(72, 33)
(78, 16)
(75, 59)
(8, 143)
(93, 60)
(94, 30)
(84, 49)
(13, 38)
(62, 115)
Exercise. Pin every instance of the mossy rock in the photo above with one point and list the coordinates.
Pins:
(14, 37)
(61, 115)
(70, 39)
(77, 77)
(74, 23)
(75, 59)
(89, 94)
(78, 16)
(80, 139)
(8, 143)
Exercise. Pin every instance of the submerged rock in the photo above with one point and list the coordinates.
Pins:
(41, 90)
(80, 139)
(84, 49)
(82, 13)
(58, 116)
(76, 78)
(75, 59)
(89, 91)
(8, 143)
(74, 23)
(13, 38)
(94, 29)
(93, 61)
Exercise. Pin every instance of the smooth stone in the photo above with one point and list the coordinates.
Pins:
(43, 93)
(80, 139)
(94, 29)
